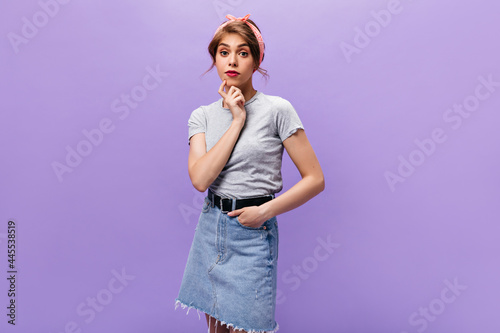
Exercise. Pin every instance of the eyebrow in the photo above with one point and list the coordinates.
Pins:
(241, 45)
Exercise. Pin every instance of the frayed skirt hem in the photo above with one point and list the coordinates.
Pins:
(183, 306)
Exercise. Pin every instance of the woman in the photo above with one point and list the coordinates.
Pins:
(236, 147)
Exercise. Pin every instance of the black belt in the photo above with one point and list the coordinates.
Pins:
(226, 204)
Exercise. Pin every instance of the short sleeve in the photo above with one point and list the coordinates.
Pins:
(287, 119)
(197, 122)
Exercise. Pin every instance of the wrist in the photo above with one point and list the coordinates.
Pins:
(239, 122)
(266, 210)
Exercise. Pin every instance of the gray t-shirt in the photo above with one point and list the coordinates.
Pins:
(254, 167)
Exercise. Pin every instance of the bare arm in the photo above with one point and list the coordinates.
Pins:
(312, 183)
(204, 167)
(302, 154)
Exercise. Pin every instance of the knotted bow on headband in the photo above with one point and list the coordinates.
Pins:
(254, 29)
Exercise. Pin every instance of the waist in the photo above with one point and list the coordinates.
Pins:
(230, 204)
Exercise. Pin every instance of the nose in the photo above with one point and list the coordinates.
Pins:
(232, 60)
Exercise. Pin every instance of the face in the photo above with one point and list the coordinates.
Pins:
(233, 54)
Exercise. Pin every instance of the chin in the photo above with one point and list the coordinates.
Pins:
(230, 83)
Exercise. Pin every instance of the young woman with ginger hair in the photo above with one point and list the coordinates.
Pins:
(236, 148)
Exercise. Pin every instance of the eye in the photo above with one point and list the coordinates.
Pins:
(223, 53)
(244, 54)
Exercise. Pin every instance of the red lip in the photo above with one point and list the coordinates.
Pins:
(232, 73)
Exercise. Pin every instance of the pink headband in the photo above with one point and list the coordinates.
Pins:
(254, 29)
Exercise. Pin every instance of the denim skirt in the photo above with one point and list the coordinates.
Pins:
(231, 271)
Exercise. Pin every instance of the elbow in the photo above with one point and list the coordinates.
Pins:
(321, 184)
(197, 182)
(316, 184)
(199, 186)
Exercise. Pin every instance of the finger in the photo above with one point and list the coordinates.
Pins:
(240, 101)
(234, 89)
(237, 91)
(235, 212)
(221, 89)
(237, 94)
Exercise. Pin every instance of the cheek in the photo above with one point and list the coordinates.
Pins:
(219, 63)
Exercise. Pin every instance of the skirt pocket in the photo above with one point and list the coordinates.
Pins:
(206, 205)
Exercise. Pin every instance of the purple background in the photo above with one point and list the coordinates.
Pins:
(129, 205)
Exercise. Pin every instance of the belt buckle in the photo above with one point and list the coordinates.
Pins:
(222, 207)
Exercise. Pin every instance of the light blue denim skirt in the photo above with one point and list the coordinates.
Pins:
(231, 271)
